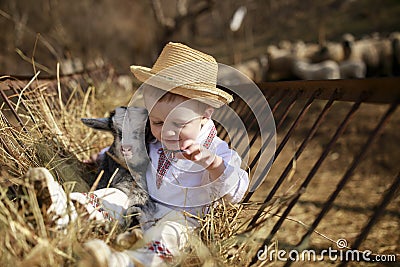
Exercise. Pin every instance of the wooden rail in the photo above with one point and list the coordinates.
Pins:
(373, 90)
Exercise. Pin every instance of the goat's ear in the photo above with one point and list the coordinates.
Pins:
(98, 124)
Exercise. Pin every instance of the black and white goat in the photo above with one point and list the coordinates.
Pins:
(127, 153)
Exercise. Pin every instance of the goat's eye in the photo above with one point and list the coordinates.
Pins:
(117, 133)
(157, 123)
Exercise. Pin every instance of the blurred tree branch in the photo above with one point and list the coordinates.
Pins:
(26, 28)
(170, 26)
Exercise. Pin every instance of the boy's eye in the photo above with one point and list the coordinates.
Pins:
(179, 125)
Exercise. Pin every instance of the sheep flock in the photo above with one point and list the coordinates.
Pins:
(349, 58)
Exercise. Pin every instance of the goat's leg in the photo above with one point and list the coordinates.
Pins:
(128, 238)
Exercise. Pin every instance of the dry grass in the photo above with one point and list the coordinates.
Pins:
(31, 238)
(45, 132)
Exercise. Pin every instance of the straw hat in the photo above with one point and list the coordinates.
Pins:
(185, 71)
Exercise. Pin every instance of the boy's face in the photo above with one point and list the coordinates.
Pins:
(177, 123)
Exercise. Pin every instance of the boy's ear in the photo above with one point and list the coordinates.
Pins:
(208, 112)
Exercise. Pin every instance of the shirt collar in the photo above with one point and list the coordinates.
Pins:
(205, 131)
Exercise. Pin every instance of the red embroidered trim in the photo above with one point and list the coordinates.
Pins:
(163, 164)
(160, 249)
(164, 161)
(210, 137)
(94, 201)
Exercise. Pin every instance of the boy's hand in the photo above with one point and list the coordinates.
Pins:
(205, 158)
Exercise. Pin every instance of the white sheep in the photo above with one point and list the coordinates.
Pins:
(255, 69)
(304, 50)
(327, 69)
(70, 66)
(384, 48)
(328, 51)
(364, 50)
(285, 44)
(395, 42)
(280, 64)
(352, 69)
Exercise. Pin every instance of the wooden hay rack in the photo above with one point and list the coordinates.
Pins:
(291, 103)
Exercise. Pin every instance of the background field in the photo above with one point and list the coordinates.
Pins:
(133, 32)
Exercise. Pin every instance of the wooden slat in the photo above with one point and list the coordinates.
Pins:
(376, 90)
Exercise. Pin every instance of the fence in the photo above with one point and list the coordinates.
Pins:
(293, 105)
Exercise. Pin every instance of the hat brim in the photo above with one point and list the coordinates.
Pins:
(206, 93)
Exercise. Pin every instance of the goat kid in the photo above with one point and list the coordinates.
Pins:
(127, 124)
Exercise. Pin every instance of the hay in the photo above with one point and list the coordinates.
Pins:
(39, 130)
(40, 127)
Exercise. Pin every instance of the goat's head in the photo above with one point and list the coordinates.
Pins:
(127, 125)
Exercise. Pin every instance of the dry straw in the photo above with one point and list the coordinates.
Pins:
(38, 129)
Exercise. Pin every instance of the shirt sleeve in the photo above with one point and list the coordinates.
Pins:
(234, 177)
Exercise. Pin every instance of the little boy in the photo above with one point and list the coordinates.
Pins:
(190, 166)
